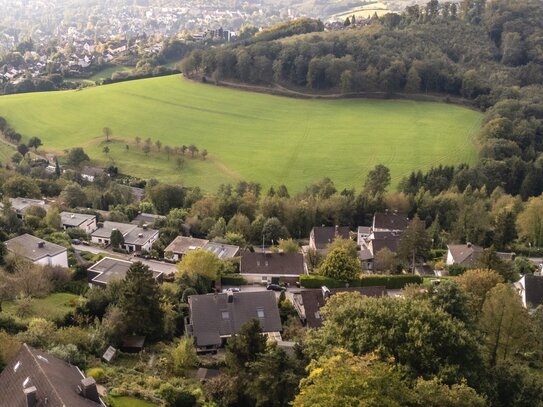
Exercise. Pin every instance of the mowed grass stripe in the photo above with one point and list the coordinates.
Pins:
(250, 136)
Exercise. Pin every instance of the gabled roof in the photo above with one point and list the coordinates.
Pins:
(92, 171)
(222, 251)
(213, 317)
(75, 219)
(380, 240)
(139, 236)
(104, 231)
(32, 247)
(146, 218)
(390, 221)
(534, 290)
(184, 244)
(55, 381)
(322, 236)
(465, 254)
(279, 264)
(309, 302)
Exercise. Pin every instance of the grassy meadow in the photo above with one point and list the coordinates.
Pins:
(249, 136)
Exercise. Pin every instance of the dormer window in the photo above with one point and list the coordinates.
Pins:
(225, 315)
(260, 312)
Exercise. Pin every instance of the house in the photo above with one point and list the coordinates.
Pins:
(215, 317)
(321, 236)
(265, 268)
(140, 239)
(466, 255)
(34, 378)
(530, 289)
(309, 302)
(362, 234)
(38, 251)
(463, 254)
(389, 222)
(109, 269)
(91, 173)
(181, 245)
(221, 250)
(146, 219)
(136, 238)
(78, 220)
(21, 205)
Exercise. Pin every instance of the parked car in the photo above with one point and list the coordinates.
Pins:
(76, 241)
(275, 287)
(85, 243)
(233, 289)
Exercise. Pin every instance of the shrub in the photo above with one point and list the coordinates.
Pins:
(388, 281)
(10, 325)
(96, 373)
(233, 279)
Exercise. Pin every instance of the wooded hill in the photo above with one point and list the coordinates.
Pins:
(490, 53)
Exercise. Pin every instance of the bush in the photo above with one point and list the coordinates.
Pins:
(388, 281)
(233, 279)
(96, 373)
(10, 325)
(456, 269)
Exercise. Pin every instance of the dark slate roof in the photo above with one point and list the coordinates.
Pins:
(109, 269)
(278, 264)
(75, 219)
(380, 240)
(465, 254)
(54, 379)
(104, 230)
(534, 290)
(390, 221)
(322, 236)
(33, 247)
(146, 218)
(309, 302)
(139, 236)
(213, 317)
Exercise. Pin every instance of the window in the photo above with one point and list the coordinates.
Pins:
(225, 315)
(264, 279)
(317, 315)
(258, 263)
(260, 312)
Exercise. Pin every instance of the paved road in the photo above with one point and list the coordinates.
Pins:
(166, 268)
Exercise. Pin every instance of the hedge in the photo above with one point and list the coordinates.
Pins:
(390, 282)
(232, 279)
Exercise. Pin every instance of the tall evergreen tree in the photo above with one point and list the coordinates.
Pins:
(139, 301)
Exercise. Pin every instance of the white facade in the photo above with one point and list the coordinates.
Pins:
(60, 259)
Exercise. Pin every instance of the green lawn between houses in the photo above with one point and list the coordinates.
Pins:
(249, 136)
(54, 306)
(130, 402)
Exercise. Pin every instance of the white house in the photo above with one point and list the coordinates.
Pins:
(78, 220)
(136, 238)
(38, 251)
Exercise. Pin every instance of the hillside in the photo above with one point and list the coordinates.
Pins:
(249, 136)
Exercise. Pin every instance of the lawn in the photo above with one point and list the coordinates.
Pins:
(53, 307)
(249, 136)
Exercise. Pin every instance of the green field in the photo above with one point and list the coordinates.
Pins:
(249, 136)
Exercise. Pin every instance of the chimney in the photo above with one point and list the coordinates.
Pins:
(31, 396)
(144, 226)
(140, 235)
(89, 390)
(230, 296)
(469, 244)
(337, 230)
(41, 245)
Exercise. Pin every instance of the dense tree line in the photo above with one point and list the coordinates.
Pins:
(486, 52)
